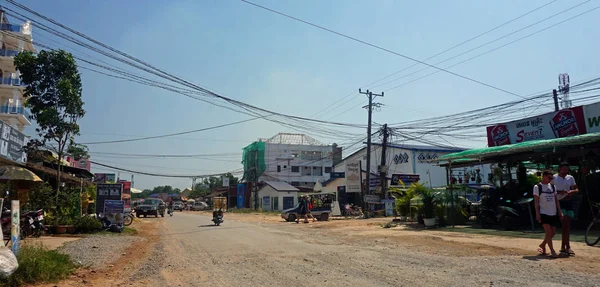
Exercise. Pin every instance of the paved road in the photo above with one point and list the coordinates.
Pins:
(287, 254)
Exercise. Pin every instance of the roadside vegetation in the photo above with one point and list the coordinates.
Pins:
(39, 265)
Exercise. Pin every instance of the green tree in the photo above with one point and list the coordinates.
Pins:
(53, 94)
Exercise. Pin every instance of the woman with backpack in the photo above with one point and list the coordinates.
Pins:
(547, 210)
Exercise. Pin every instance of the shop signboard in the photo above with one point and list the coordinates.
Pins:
(389, 206)
(372, 198)
(12, 143)
(225, 181)
(353, 177)
(337, 175)
(592, 117)
(107, 192)
(407, 179)
(114, 210)
(564, 123)
(126, 197)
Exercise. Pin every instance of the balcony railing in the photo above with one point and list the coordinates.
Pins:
(11, 82)
(10, 27)
(14, 110)
(8, 53)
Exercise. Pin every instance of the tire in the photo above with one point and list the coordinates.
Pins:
(138, 215)
(291, 218)
(592, 233)
(128, 220)
(145, 215)
(324, 217)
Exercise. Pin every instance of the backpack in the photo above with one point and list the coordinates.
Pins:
(540, 190)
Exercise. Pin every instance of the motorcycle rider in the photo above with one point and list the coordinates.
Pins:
(216, 215)
(171, 207)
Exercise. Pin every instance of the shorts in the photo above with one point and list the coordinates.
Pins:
(567, 208)
(552, 220)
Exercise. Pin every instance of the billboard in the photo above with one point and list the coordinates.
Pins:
(105, 178)
(407, 179)
(564, 123)
(83, 163)
(12, 143)
(107, 192)
(592, 117)
(353, 177)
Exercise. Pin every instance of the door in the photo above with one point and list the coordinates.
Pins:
(288, 202)
(275, 201)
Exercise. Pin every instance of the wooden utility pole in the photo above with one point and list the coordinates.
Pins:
(555, 96)
(369, 108)
(383, 167)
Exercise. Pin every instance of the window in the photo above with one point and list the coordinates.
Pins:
(295, 183)
(295, 168)
(327, 169)
(311, 155)
(317, 171)
(285, 166)
(307, 171)
(278, 168)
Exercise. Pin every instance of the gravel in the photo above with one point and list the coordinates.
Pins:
(97, 251)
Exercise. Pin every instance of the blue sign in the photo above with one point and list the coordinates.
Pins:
(114, 211)
(267, 202)
(240, 195)
(337, 175)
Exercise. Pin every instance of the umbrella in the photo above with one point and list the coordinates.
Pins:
(16, 173)
(135, 190)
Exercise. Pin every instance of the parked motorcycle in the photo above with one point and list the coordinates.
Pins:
(353, 210)
(32, 224)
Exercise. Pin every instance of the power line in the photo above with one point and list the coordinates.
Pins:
(382, 49)
(156, 174)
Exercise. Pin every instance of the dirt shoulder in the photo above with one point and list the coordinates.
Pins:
(122, 267)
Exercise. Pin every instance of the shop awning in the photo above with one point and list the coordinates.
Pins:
(524, 147)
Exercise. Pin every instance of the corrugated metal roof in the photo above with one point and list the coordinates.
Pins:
(281, 186)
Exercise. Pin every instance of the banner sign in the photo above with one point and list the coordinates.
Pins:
(240, 195)
(225, 181)
(12, 143)
(126, 197)
(564, 123)
(372, 198)
(105, 178)
(407, 179)
(353, 177)
(592, 117)
(114, 210)
(389, 206)
(266, 202)
(15, 228)
(107, 192)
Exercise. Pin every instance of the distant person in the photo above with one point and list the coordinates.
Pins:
(309, 207)
(303, 209)
(547, 210)
(566, 188)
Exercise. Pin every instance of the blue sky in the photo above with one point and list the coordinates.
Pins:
(279, 64)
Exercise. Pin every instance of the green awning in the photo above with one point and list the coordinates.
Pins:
(530, 146)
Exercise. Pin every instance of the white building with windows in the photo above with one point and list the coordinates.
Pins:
(14, 39)
(405, 159)
(298, 159)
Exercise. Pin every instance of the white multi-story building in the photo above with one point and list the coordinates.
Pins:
(298, 159)
(14, 39)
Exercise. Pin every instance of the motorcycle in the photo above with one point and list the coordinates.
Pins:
(32, 223)
(353, 210)
(217, 219)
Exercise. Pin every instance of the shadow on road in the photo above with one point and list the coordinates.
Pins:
(208, 225)
(541, 257)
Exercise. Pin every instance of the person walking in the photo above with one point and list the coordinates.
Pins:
(303, 209)
(309, 207)
(566, 188)
(547, 210)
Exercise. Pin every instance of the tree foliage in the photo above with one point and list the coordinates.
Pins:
(53, 94)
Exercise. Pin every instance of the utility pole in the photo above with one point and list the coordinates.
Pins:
(256, 180)
(383, 167)
(132, 180)
(369, 108)
(555, 96)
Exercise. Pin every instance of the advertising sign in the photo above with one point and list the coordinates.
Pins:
(107, 192)
(15, 228)
(225, 181)
(114, 211)
(372, 198)
(266, 203)
(83, 163)
(337, 175)
(407, 179)
(564, 123)
(11, 144)
(592, 117)
(126, 197)
(353, 177)
(240, 195)
(389, 206)
(105, 178)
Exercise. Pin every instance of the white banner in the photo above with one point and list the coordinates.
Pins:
(353, 177)
(225, 181)
(592, 117)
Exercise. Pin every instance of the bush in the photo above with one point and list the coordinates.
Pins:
(38, 264)
(87, 224)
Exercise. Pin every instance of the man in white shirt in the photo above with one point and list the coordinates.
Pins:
(565, 187)
(547, 210)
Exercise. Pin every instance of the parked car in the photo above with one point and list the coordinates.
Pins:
(199, 205)
(151, 206)
(178, 205)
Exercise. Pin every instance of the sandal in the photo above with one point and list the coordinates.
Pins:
(570, 252)
(542, 251)
(554, 255)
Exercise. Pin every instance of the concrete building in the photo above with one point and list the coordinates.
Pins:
(407, 159)
(297, 159)
(277, 196)
(14, 39)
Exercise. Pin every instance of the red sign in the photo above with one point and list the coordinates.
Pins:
(564, 123)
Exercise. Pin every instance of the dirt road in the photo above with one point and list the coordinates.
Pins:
(252, 250)
(268, 253)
